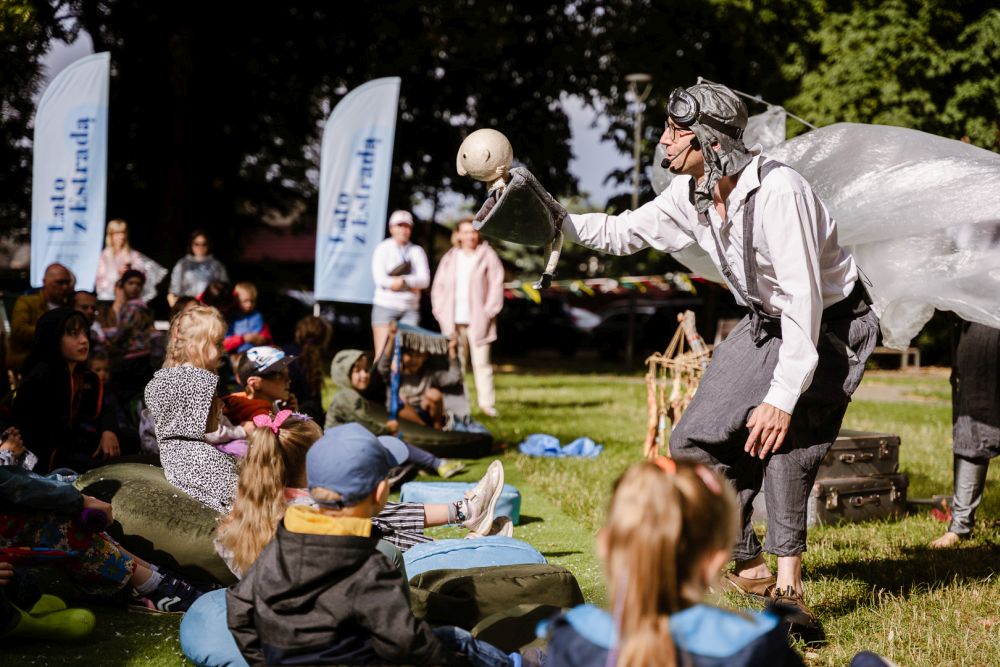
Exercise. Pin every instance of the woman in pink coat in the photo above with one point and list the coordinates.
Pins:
(466, 297)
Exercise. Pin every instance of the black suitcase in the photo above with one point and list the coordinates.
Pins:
(861, 454)
(856, 499)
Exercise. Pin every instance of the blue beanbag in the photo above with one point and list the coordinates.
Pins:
(460, 554)
(205, 636)
(429, 493)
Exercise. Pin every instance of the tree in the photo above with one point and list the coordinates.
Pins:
(216, 116)
(923, 64)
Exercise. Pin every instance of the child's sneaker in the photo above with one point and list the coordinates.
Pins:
(449, 468)
(502, 526)
(481, 501)
(172, 596)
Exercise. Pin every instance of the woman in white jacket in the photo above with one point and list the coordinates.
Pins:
(466, 298)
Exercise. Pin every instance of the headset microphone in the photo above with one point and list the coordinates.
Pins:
(665, 163)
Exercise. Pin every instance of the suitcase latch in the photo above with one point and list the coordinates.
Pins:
(856, 458)
(860, 501)
(883, 450)
(831, 499)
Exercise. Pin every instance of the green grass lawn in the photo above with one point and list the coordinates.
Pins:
(875, 586)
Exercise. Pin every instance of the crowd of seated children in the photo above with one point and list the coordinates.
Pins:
(321, 593)
(273, 478)
(292, 494)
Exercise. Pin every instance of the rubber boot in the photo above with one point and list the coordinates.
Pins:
(65, 625)
(47, 604)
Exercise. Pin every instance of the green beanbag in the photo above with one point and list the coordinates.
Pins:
(443, 444)
(158, 522)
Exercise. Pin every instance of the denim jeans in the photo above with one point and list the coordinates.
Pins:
(479, 653)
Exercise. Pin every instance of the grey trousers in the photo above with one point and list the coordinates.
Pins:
(713, 428)
(970, 480)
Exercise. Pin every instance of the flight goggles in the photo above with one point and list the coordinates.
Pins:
(684, 110)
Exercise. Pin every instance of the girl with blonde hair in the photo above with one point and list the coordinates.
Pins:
(118, 257)
(274, 476)
(182, 401)
(670, 529)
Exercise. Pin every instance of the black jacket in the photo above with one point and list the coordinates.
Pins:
(328, 600)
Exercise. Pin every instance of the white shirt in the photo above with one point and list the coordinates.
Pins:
(387, 256)
(463, 274)
(801, 269)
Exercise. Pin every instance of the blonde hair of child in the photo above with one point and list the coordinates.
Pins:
(247, 287)
(272, 463)
(660, 527)
(194, 333)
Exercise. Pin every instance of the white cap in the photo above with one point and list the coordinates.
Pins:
(400, 218)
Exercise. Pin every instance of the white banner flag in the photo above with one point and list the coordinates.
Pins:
(354, 190)
(69, 174)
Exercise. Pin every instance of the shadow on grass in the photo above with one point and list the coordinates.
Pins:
(560, 554)
(917, 569)
(524, 520)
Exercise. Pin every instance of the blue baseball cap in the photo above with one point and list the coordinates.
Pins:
(350, 460)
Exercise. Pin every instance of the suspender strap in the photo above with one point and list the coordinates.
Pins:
(749, 256)
(750, 295)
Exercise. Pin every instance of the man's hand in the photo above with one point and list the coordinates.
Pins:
(92, 503)
(768, 427)
(254, 338)
(6, 573)
(397, 284)
(108, 447)
(393, 426)
(453, 346)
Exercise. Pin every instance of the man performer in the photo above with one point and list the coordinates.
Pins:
(774, 396)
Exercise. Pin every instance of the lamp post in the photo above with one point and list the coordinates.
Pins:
(634, 81)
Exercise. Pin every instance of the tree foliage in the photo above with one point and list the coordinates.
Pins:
(923, 64)
(216, 114)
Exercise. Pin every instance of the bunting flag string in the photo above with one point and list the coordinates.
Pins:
(590, 287)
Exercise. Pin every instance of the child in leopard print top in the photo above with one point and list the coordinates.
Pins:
(182, 400)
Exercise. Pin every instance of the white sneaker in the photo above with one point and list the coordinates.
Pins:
(481, 500)
(502, 526)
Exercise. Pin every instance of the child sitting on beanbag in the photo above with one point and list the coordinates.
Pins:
(421, 383)
(350, 372)
(263, 373)
(321, 593)
(182, 401)
(273, 478)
